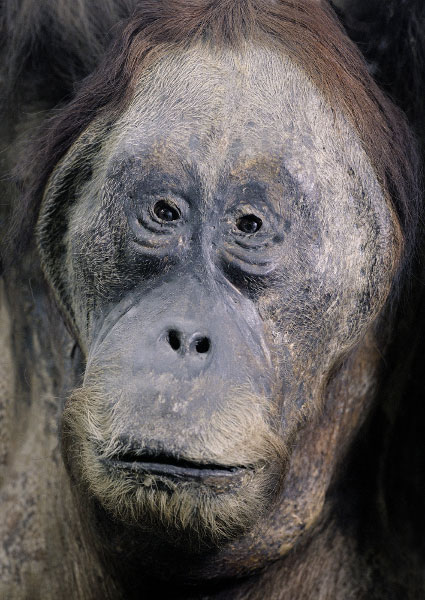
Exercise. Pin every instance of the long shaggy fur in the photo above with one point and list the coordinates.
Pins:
(391, 35)
(58, 40)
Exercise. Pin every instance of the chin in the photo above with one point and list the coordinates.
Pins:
(201, 504)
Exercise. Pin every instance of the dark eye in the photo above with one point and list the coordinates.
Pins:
(165, 211)
(249, 223)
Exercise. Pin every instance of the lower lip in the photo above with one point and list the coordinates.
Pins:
(174, 471)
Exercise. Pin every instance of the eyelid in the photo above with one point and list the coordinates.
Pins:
(251, 264)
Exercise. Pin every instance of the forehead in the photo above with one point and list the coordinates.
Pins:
(248, 111)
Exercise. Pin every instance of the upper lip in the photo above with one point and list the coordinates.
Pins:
(170, 465)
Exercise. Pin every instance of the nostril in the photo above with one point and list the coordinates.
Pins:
(174, 339)
(202, 345)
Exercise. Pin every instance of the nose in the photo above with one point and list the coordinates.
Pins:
(183, 342)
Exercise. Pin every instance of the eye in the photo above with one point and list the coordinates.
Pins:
(165, 212)
(249, 223)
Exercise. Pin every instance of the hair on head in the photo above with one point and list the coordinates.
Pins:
(308, 31)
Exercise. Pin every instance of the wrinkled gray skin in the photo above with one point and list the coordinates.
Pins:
(288, 314)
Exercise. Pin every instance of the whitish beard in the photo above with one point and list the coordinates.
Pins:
(199, 511)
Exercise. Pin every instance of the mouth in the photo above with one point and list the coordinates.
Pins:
(170, 466)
